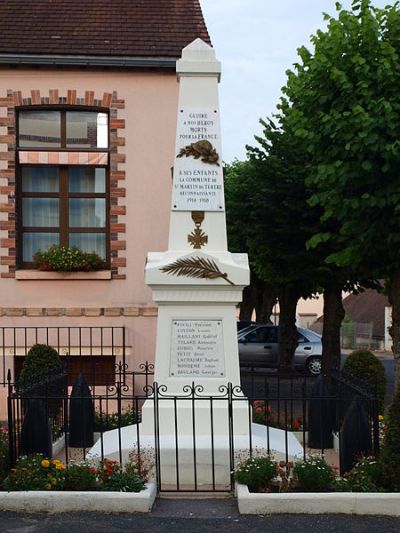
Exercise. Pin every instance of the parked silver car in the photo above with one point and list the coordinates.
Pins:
(258, 345)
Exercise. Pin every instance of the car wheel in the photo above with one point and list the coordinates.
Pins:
(314, 366)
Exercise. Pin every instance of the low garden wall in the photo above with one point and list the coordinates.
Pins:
(374, 503)
(73, 501)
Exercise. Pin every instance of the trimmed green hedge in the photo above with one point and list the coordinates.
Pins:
(365, 365)
(390, 452)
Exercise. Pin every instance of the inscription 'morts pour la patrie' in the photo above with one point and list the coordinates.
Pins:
(197, 349)
(198, 185)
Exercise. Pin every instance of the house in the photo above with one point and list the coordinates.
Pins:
(88, 110)
(367, 321)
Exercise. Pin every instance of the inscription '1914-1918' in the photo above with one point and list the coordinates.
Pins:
(198, 178)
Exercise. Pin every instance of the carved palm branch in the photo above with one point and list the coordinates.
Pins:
(196, 267)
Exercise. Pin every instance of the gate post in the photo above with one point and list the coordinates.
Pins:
(10, 421)
(156, 436)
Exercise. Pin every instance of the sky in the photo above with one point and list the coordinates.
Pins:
(256, 41)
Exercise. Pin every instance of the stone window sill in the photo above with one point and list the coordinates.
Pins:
(24, 275)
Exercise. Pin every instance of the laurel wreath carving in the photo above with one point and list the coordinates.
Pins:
(196, 267)
(201, 149)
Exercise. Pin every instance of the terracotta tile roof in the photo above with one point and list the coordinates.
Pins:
(368, 307)
(135, 28)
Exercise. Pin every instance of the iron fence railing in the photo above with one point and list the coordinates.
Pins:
(197, 438)
(98, 348)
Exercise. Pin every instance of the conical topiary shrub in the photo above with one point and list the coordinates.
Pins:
(390, 453)
(365, 365)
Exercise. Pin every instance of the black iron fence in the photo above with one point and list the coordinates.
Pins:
(93, 350)
(195, 439)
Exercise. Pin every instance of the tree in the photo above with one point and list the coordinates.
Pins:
(239, 199)
(342, 101)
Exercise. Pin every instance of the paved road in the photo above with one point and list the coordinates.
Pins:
(192, 516)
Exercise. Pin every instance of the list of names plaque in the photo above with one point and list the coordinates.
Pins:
(198, 178)
(197, 349)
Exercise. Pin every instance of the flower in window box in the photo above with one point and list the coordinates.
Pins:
(60, 258)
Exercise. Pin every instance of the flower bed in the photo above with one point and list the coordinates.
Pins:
(44, 485)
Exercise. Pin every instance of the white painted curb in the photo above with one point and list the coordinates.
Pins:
(372, 503)
(68, 501)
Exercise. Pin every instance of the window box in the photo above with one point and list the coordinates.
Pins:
(26, 275)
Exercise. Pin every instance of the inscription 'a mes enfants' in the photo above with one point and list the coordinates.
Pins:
(196, 185)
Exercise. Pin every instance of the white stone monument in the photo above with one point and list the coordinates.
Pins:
(197, 284)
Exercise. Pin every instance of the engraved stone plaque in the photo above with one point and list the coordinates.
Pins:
(197, 349)
(198, 178)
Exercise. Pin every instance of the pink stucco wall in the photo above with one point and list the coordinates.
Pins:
(150, 115)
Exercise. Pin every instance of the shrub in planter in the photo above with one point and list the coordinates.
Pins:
(390, 453)
(256, 473)
(42, 375)
(81, 476)
(314, 474)
(106, 421)
(35, 473)
(364, 365)
(64, 259)
(366, 476)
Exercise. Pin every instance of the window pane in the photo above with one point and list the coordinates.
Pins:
(87, 212)
(39, 129)
(40, 212)
(89, 242)
(32, 242)
(87, 179)
(40, 179)
(87, 129)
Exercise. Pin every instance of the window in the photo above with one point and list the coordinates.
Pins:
(267, 334)
(82, 130)
(62, 203)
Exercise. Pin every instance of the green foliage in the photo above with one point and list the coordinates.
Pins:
(341, 100)
(81, 476)
(64, 259)
(40, 361)
(314, 474)
(38, 473)
(256, 473)
(42, 375)
(4, 455)
(106, 421)
(365, 365)
(390, 456)
(366, 476)
(35, 473)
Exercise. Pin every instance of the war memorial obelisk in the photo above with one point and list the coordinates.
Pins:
(190, 420)
(197, 283)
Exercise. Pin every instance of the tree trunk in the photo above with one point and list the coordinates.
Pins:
(265, 301)
(287, 337)
(333, 316)
(247, 304)
(394, 298)
(249, 299)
